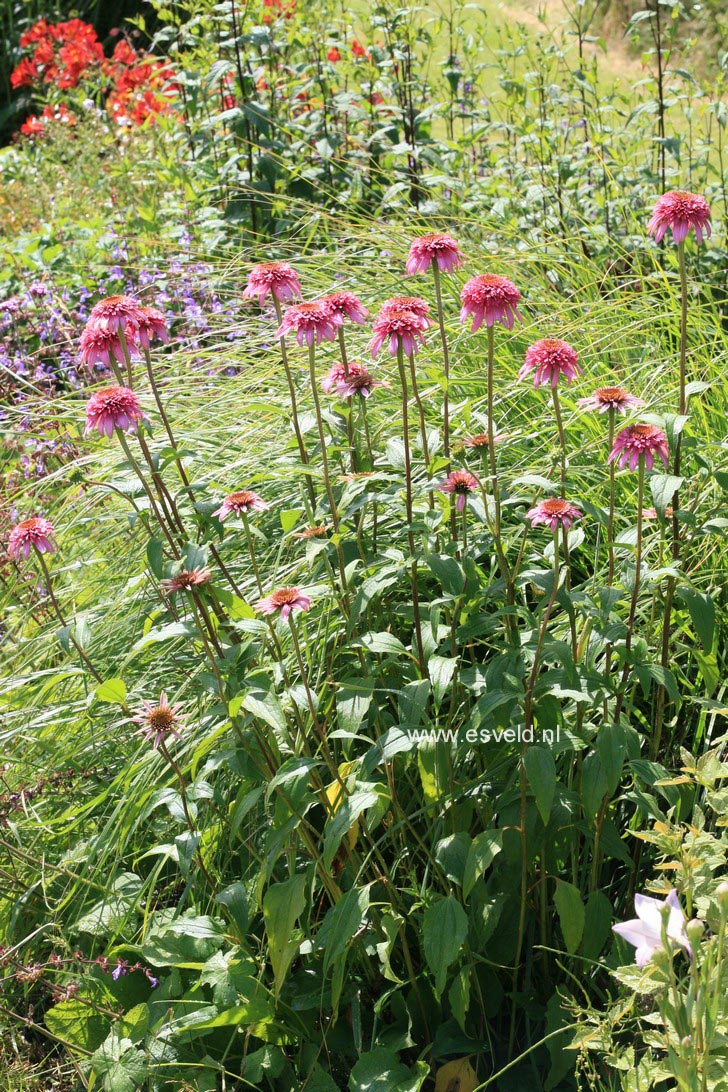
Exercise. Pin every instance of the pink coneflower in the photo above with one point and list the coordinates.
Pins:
(313, 532)
(152, 324)
(158, 722)
(116, 407)
(185, 580)
(554, 513)
(481, 439)
(398, 327)
(610, 398)
(358, 381)
(436, 247)
(117, 312)
(311, 322)
(277, 278)
(36, 533)
(549, 360)
(636, 441)
(652, 513)
(680, 211)
(407, 303)
(239, 504)
(644, 932)
(490, 298)
(459, 484)
(98, 344)
(347, 305)
(284, 600)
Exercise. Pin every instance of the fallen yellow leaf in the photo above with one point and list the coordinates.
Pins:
(457, 1076)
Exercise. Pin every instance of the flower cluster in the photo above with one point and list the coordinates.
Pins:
(62, 53)
(143, 86)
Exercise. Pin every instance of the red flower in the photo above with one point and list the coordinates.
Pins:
(25, 74)
(333, 55)
(32, 126)
(359, 50)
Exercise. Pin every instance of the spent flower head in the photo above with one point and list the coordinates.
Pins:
(186, 580)
(158, 721)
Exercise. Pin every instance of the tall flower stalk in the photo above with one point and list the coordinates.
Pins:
(335, 519)
(409, 508)
(303, 453)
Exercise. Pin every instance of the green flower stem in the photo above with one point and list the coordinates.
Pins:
(635, 587)
(251, 550)
(349, 417)
(661, 698)
(61, 619)
(423, 423)
(127, 357)
(325, 464)
(167, 426)
(528, 724)
(562, 437)
(150, 495)
(610, 545)
(446, 362)
(165, 497)
(408, 503)
(491, 436)
(191, 825)
(294, 407)
(312, 704)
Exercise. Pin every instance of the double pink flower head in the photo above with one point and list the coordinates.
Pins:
(355, 380)
(117, 321)
(680, 211)
(637, 442)
(550, 359)
(312, 322)
(278, 279)
(490, 298)
(36, 533)
(436, 247)
(115, 407)
(402, 320)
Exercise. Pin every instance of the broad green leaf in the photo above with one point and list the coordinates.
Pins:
(381, 1071)
(597, 923)
(344, 819)
(113, 690)
(283, 905)
(541, 771)
(441, 670)
(572, 914)
(77, 1023)
(121, 1067)
(444, 928)
(155, 557)
(485, 847)
(663, 487)
(337, 931)
(383, 643)
(702, 614)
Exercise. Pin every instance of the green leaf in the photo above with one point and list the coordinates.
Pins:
(289, 518)
(611, 746)
(441, 670)
(381, 1071)
(448, 572)
(339, 927)
(444, 928)
(451, 853)
(113, 690)
(594, 785)
(385, 643)
(597, 923)
(343, 820)
(663, 486)
(702, 614)
(76, 1023)
(485, 847)
(353, 699)
(188, 938)
(283, 905)
(541, 771)
(572, 914)
(121, 1067)
(155, 557)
